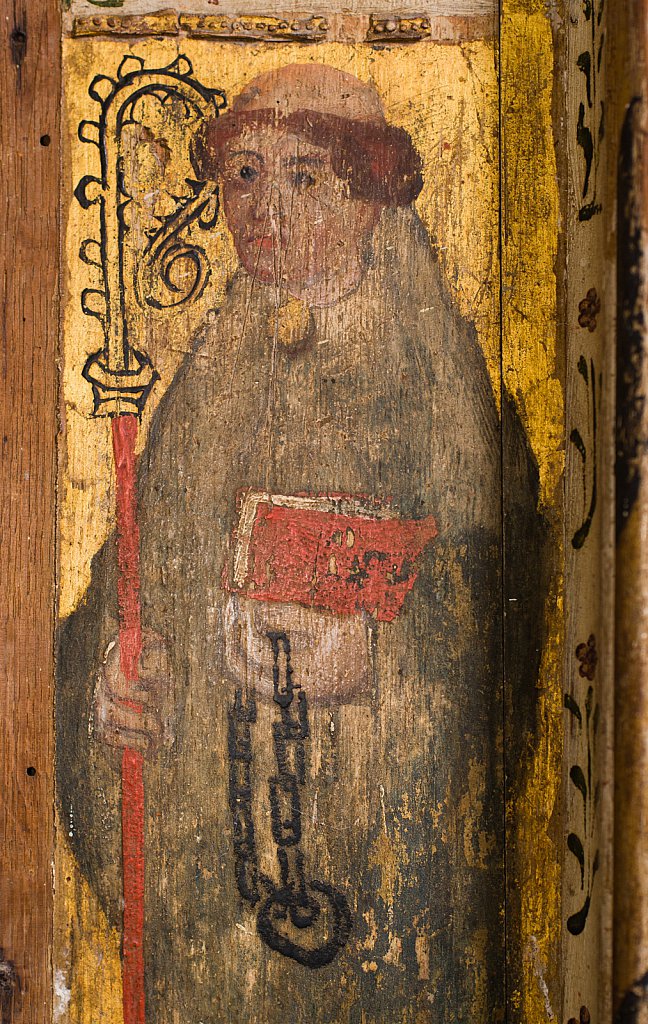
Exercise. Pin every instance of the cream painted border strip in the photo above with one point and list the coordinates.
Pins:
(431, 9)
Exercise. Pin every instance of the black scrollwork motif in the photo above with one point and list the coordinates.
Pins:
(581, 843)
(172, 270)
(589, 376)
(590, 129)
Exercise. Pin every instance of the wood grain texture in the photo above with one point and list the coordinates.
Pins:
(29, 104)
(631, 618)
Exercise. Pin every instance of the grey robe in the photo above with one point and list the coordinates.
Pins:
(403, 801)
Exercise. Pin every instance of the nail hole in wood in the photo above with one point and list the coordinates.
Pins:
(31, 771)
(45, 140)
(18, 45)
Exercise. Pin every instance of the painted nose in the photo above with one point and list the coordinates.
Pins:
(267, 213)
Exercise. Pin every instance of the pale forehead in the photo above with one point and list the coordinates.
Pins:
(269, 144)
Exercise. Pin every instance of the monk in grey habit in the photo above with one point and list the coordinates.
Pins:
(337, 364)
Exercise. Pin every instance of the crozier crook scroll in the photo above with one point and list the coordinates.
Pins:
(122, 377)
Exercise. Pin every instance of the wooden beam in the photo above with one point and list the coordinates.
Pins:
(29, 173)
(631, 619)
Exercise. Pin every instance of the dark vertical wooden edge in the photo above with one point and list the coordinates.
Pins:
(30, 76)
(631, 473)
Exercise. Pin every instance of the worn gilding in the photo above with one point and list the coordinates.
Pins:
(531, 369)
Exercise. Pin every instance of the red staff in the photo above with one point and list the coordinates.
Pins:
(122, 378)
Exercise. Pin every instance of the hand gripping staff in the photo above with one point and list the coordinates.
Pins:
(122, 378)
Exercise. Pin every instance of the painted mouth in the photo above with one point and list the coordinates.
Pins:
(265, 242)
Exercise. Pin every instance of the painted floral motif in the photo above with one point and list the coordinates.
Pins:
(588, 657)
(588, 310)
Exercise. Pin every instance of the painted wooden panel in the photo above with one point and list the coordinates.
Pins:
(311, 672)
(319, 516)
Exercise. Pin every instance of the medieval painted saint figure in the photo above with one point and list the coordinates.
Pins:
(321, 578)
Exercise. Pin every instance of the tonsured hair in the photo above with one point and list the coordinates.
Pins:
(378, 161)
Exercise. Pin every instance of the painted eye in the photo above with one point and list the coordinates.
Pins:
(303, 179)
(248, 173)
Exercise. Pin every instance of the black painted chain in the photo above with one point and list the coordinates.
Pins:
(295, 901)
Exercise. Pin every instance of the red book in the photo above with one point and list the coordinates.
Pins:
(342, 553)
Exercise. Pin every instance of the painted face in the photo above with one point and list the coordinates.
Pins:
(293, 220)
